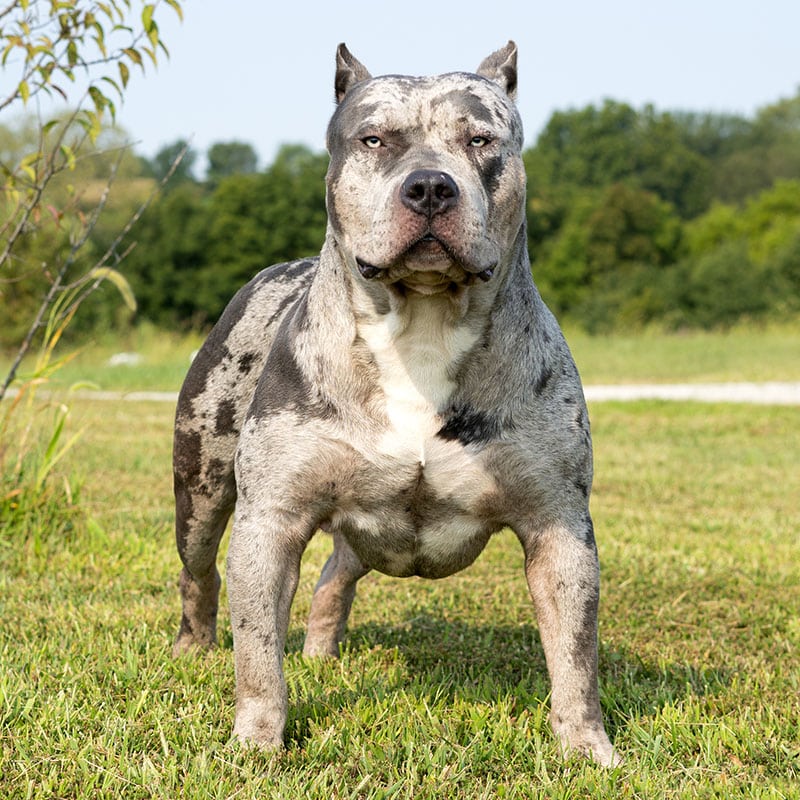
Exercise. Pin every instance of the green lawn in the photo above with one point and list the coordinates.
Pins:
(742, 354)
(442, 690)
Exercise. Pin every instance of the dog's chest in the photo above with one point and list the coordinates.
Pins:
(417, 356)
(416, 508)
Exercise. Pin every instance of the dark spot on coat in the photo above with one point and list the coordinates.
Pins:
(218, 471)
(194, 384)
(283, 384)
(589, 534)
(542, 380)
(584, 651)
(467, 101)
(225, 419)
(184, 509)
(492, 172)
(288, 271)
(246, 361)
(214, 351)
(468, 425)
(186, 456)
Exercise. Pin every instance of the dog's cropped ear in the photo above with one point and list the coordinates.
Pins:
(349, 72)
(501, 67)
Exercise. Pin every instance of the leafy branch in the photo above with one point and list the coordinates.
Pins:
(54, 44)
(59, 48)
(78, 290)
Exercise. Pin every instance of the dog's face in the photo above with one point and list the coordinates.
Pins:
(426, 186)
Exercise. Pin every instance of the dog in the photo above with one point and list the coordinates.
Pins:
(407, 391)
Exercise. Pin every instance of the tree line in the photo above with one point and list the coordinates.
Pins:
(635, 217)
(677, 219)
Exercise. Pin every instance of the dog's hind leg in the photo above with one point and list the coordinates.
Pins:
(205, 494)
(198, 542)
(333, 597)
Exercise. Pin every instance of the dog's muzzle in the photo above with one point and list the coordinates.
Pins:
(428, 193)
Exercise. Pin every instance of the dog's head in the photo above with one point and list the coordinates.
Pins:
(426, 186)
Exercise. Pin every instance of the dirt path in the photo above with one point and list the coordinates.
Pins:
(773, 393)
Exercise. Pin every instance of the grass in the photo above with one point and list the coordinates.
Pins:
(442, 688)
(164, 358)
(745, 353)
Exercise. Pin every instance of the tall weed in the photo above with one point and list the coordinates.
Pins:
(37, 504)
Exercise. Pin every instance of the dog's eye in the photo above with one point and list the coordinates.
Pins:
(373, 142)
(479, 141)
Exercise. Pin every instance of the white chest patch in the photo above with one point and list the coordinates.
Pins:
(417, 352)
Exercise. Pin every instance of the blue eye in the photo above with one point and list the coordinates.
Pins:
(479, 141)
(373, 142)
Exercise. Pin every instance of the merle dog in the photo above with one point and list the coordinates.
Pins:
(406, 391)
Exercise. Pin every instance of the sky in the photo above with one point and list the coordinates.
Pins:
(262, 72)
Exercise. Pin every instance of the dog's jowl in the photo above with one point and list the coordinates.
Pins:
(407, 391)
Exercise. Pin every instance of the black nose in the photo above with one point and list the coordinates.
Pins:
(429, 192)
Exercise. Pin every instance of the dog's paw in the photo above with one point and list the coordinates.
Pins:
(604, 754)
(320, 647)
(591, 742)
(187, 643)
(259, 724)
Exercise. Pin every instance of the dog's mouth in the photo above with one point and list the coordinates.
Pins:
(428, 245)
(428, 266)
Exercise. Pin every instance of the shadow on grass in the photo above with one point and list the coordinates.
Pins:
(454, 660)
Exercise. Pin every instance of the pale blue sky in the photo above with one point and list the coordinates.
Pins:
(262, 72)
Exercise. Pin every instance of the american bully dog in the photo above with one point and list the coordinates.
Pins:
(407, 391)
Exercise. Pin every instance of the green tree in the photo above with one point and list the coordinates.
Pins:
(263, 219)
(740, 262)
(172, 242)
(667, 166)
(717, 289)
(230, 158)
(633, 214)
(631, 226)
(713, 136)
(560, 259)
(786, 262)
(603, 262)
(596, 147)
(198, 245)
(766, 223)
(164, 161)
(769, 152)
(590, 147)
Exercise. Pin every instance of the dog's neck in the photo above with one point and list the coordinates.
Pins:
(428, 338)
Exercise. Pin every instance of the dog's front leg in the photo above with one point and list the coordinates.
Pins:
(563, 576)
(263, 569)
